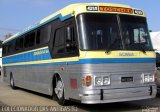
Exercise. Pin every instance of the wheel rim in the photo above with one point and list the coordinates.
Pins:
(59, 89)
(12, 81)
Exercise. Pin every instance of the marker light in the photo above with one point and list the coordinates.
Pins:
(88, 80)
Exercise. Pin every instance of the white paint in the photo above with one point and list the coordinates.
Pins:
(155, 38)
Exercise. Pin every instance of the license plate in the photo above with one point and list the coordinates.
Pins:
(126, 79)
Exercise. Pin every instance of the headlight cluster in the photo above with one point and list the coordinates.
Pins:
(147, 77)
(102, 80)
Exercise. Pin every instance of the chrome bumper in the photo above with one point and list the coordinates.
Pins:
(117, 95)
(158, 90)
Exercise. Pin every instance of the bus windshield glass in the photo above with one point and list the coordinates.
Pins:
(135, 33)
(113, 32)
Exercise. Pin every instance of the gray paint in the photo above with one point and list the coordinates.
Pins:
(39, 79)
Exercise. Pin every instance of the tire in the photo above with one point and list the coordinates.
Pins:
(59, 92)
(12, 84)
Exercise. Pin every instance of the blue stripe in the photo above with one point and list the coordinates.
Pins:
(99, 61)
(62, 18)
(27, 57)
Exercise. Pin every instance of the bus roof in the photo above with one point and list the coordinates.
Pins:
(75, 9)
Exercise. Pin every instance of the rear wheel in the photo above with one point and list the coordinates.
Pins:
(59, 92)
(12, 84)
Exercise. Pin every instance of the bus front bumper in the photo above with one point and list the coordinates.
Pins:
(118, 95)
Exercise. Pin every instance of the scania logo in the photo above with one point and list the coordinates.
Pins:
(126, 54)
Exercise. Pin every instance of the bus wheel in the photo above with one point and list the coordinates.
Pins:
(59, 91)
(12, 82)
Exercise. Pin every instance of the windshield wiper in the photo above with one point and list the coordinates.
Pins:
(112, 46)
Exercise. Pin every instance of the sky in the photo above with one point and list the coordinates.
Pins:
(16, 15)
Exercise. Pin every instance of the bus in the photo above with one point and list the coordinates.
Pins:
(89, 53)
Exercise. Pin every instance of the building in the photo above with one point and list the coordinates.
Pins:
(155, 38)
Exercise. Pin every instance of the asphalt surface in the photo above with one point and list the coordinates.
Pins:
(12, 100)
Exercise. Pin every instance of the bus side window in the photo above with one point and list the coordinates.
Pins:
(17, 47)
(4, 50)
(26, 41)
(71, 40)
(32, 39)
(29, 40)
(59, 43)
(21, 43)
(43, 34)
(11, 47)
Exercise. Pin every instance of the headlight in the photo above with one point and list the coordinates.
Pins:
(102, 80)
(106, 80)
(151, 78)
(148, 77)
(98, 81)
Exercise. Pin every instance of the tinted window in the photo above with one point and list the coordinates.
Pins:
(29, 40)
(32, 39)
(43, 34)
(99, 32)
(135, 33)
(17, 47)
(59, 41)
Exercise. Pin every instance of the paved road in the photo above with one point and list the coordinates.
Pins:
(20, 97)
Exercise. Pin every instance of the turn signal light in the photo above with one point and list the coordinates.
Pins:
(88, 80)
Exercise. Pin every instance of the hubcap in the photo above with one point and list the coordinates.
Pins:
(11, 81)
(59, 89)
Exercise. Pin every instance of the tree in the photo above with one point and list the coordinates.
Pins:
(7, 36)
(1, 43)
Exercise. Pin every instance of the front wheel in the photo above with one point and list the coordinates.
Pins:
(59, 91)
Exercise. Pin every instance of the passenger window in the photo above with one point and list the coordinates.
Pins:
(59, 41)
(43, 34)
(19, 44)
(32, 39)
(38, 37)
(17, 47)
(29, 40)
(26, 42)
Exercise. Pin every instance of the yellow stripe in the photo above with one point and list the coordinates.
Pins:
(26, 52)
(117, 54)
(92, 55)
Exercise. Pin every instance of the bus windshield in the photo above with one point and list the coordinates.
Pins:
(113, 32)
(135, 33)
